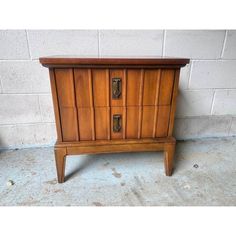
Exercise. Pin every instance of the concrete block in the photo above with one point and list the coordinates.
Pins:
(196, 44)
(24, 77)
(213, 74)
(37, 134)
(202, 127)
(194, 102)
(230, 45)
(184, 77)
(13, 44)
(232, 131)
(131, 43)
(9, 136)
(225, 102)
(15, 109)
(46, 107)
(63, 42)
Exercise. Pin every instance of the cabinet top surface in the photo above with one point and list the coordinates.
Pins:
(55, 61)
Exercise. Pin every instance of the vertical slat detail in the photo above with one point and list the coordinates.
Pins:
(91, 104)
(124, 103)
(76, 107)
(108, 105)
(55, 104)
(140, 104)
(173, 102)
(124, 87)
(156, 102)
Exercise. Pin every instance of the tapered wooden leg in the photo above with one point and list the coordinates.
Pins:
(60, 158)
(169, 158)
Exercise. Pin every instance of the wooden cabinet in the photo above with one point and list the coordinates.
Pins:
(113, 105)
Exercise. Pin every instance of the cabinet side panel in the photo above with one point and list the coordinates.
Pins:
(133, 87)
(100, 78)
(55, 104)
(82, 87)
(101, 123)
(150, 88)
(166, 86)
(132, 122)
(66, 99)
(163, 115)
(173, 103)
(148, 121)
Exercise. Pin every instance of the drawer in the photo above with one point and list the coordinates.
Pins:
(104, 123)
(114, 87)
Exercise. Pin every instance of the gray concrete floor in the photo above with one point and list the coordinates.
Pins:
(132, 179)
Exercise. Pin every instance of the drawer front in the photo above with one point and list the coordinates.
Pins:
(103, 104)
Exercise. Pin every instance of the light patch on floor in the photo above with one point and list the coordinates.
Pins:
(205, 174)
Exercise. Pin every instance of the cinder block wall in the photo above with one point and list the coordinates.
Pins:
(207, 98)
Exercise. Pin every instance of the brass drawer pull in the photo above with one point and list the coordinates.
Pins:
(116, 123)
(116, 88)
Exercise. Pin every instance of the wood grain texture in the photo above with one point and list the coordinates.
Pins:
(151, 87)
(72, 61)
(166, 86)
(169, 150)
(132, 122)
(66, 98)
(173, 103)
(133, 87)
(60, 158)
(115, 142)
(86, 123)
(101, 123)
(55, 104)
(99, 78)
(82, 87)
(136, 147)
(148, 120)
(163, 115)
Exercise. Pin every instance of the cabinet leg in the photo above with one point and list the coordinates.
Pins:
(60, 158)
(169, 158)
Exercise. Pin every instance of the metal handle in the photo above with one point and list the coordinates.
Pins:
(116, 88)
(116, 123)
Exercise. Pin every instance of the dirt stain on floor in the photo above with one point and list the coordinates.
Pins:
(97, 204)
(52, 182)
(122, 184)
(59, 191)
(115, 173)
(106, 164)
(138, 196)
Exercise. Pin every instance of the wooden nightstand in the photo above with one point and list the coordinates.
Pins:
(113, 105)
